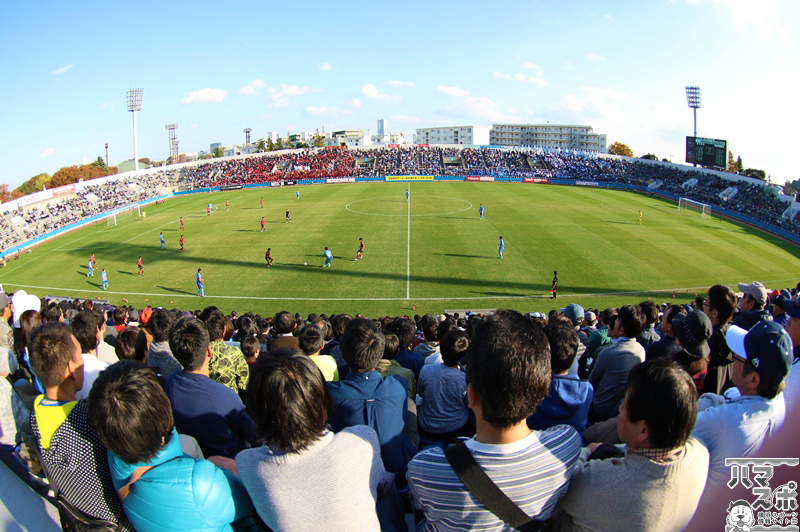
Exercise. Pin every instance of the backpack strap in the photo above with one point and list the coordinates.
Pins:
(481, 486)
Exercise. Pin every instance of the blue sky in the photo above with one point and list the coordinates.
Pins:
(217, 68)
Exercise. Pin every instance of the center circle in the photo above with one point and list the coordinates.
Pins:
(432, 205)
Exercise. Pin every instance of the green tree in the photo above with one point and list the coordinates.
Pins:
(99, 162)
(317, 140)
(218, 151)
(302, 145)
(754, 172)
(739, 166)
(279, 144)
(261, 146)
(34, 184)
(270, 145)
(619, 148)
(649, 156)
(5, 193)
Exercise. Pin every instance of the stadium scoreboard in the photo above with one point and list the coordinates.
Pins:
(707, 152)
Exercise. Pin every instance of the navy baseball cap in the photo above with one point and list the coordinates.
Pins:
(792, 308)
(693, 331)
(767, 346)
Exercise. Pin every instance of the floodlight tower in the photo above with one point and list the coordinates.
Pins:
(247, 136)
(173, 143)
(693, 99)
(135, 97)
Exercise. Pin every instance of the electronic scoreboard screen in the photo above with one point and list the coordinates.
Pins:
(707, 152)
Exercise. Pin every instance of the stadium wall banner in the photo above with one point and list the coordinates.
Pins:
(66, 189)
(587, 183)
(392, 146)
(472, 178)
(275, 184)
(290, 182)
(341, 180)
(409, 178)
(544, 180)
(422, 145)
(35, 197)
(486, 178)
(231, 187)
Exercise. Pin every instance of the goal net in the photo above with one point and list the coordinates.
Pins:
(695, 206)
(122, 215)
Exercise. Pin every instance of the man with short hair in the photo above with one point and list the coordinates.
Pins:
(85, 328)
(576, 315)
(649, 335)
(665, 347)
(597, 340)
(105, 351)
(508, 375)
(430, 347)
(406, 329)
(71, 452)
(569, 398)
(738, 426)
(227, 365)
(753, 305)
(588, 326)
(209, 411)
(284, 324)
(719, 306)
(657, 483)
(311, 342)
(159, 354)
(610, 374)
(367, 398)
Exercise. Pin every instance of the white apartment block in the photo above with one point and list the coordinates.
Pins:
(452, 135)
(548, 136)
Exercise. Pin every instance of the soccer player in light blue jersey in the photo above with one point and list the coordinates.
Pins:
(297, 193)
(480, 211)
(161, 239)
(104, 278)
(200, 290)
(90, 273)
(502, 247)
(328, 257)
(407, 195)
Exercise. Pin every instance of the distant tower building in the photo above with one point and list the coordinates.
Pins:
(247, 136)
(173, 143)
(383, 127)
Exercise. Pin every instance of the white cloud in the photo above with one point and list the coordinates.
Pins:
(453, 91)
(761, 15)
(371, 91)
(205, 95)
(324, 110)
(478, 108)
(59, 71)
(195, 126)
(522, 78)
(279, 97)
(609, 17)
(47, 153)
(325, 67)
(411, 119)
(531, 66)
(252, 88)
(396, 83)
(595, 58)
(355, 102)
(597, 102)
(105, 105)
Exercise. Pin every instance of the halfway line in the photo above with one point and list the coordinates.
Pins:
(408, 248)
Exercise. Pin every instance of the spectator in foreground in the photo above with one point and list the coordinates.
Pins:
(405, 329)
(310, 341)
(443, 387)
(738, 427)
(208, 411)
(85, 328)
(284, 324)
(752, 306)
(366, 398)
(227, 365)
(649, 335)
(305, 477)
(389, 366)
(72, 454)
(159, 355)
(508, 375)
(665, 347)
(719, 306)
(657, 482)
(173, 491)
(569, 398)
(610, 374)
(692, 332)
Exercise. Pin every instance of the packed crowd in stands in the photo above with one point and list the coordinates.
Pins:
(753, 200)
(92, 200)
(586, 419)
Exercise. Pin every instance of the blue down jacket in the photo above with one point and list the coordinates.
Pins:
(181, 493)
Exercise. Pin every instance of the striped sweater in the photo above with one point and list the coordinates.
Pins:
(534, 472)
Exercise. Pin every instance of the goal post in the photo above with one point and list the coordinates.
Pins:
(119, 216)
(695, 206)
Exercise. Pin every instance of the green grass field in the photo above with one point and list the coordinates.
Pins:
(432, 252)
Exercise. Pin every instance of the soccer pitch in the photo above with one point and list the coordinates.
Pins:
(432, 251)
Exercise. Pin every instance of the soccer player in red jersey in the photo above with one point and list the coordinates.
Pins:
(181, 241)
(181, 224)
(268, 258)
(262, 202)
(263, 223)
(360, 248)
(139, 264)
